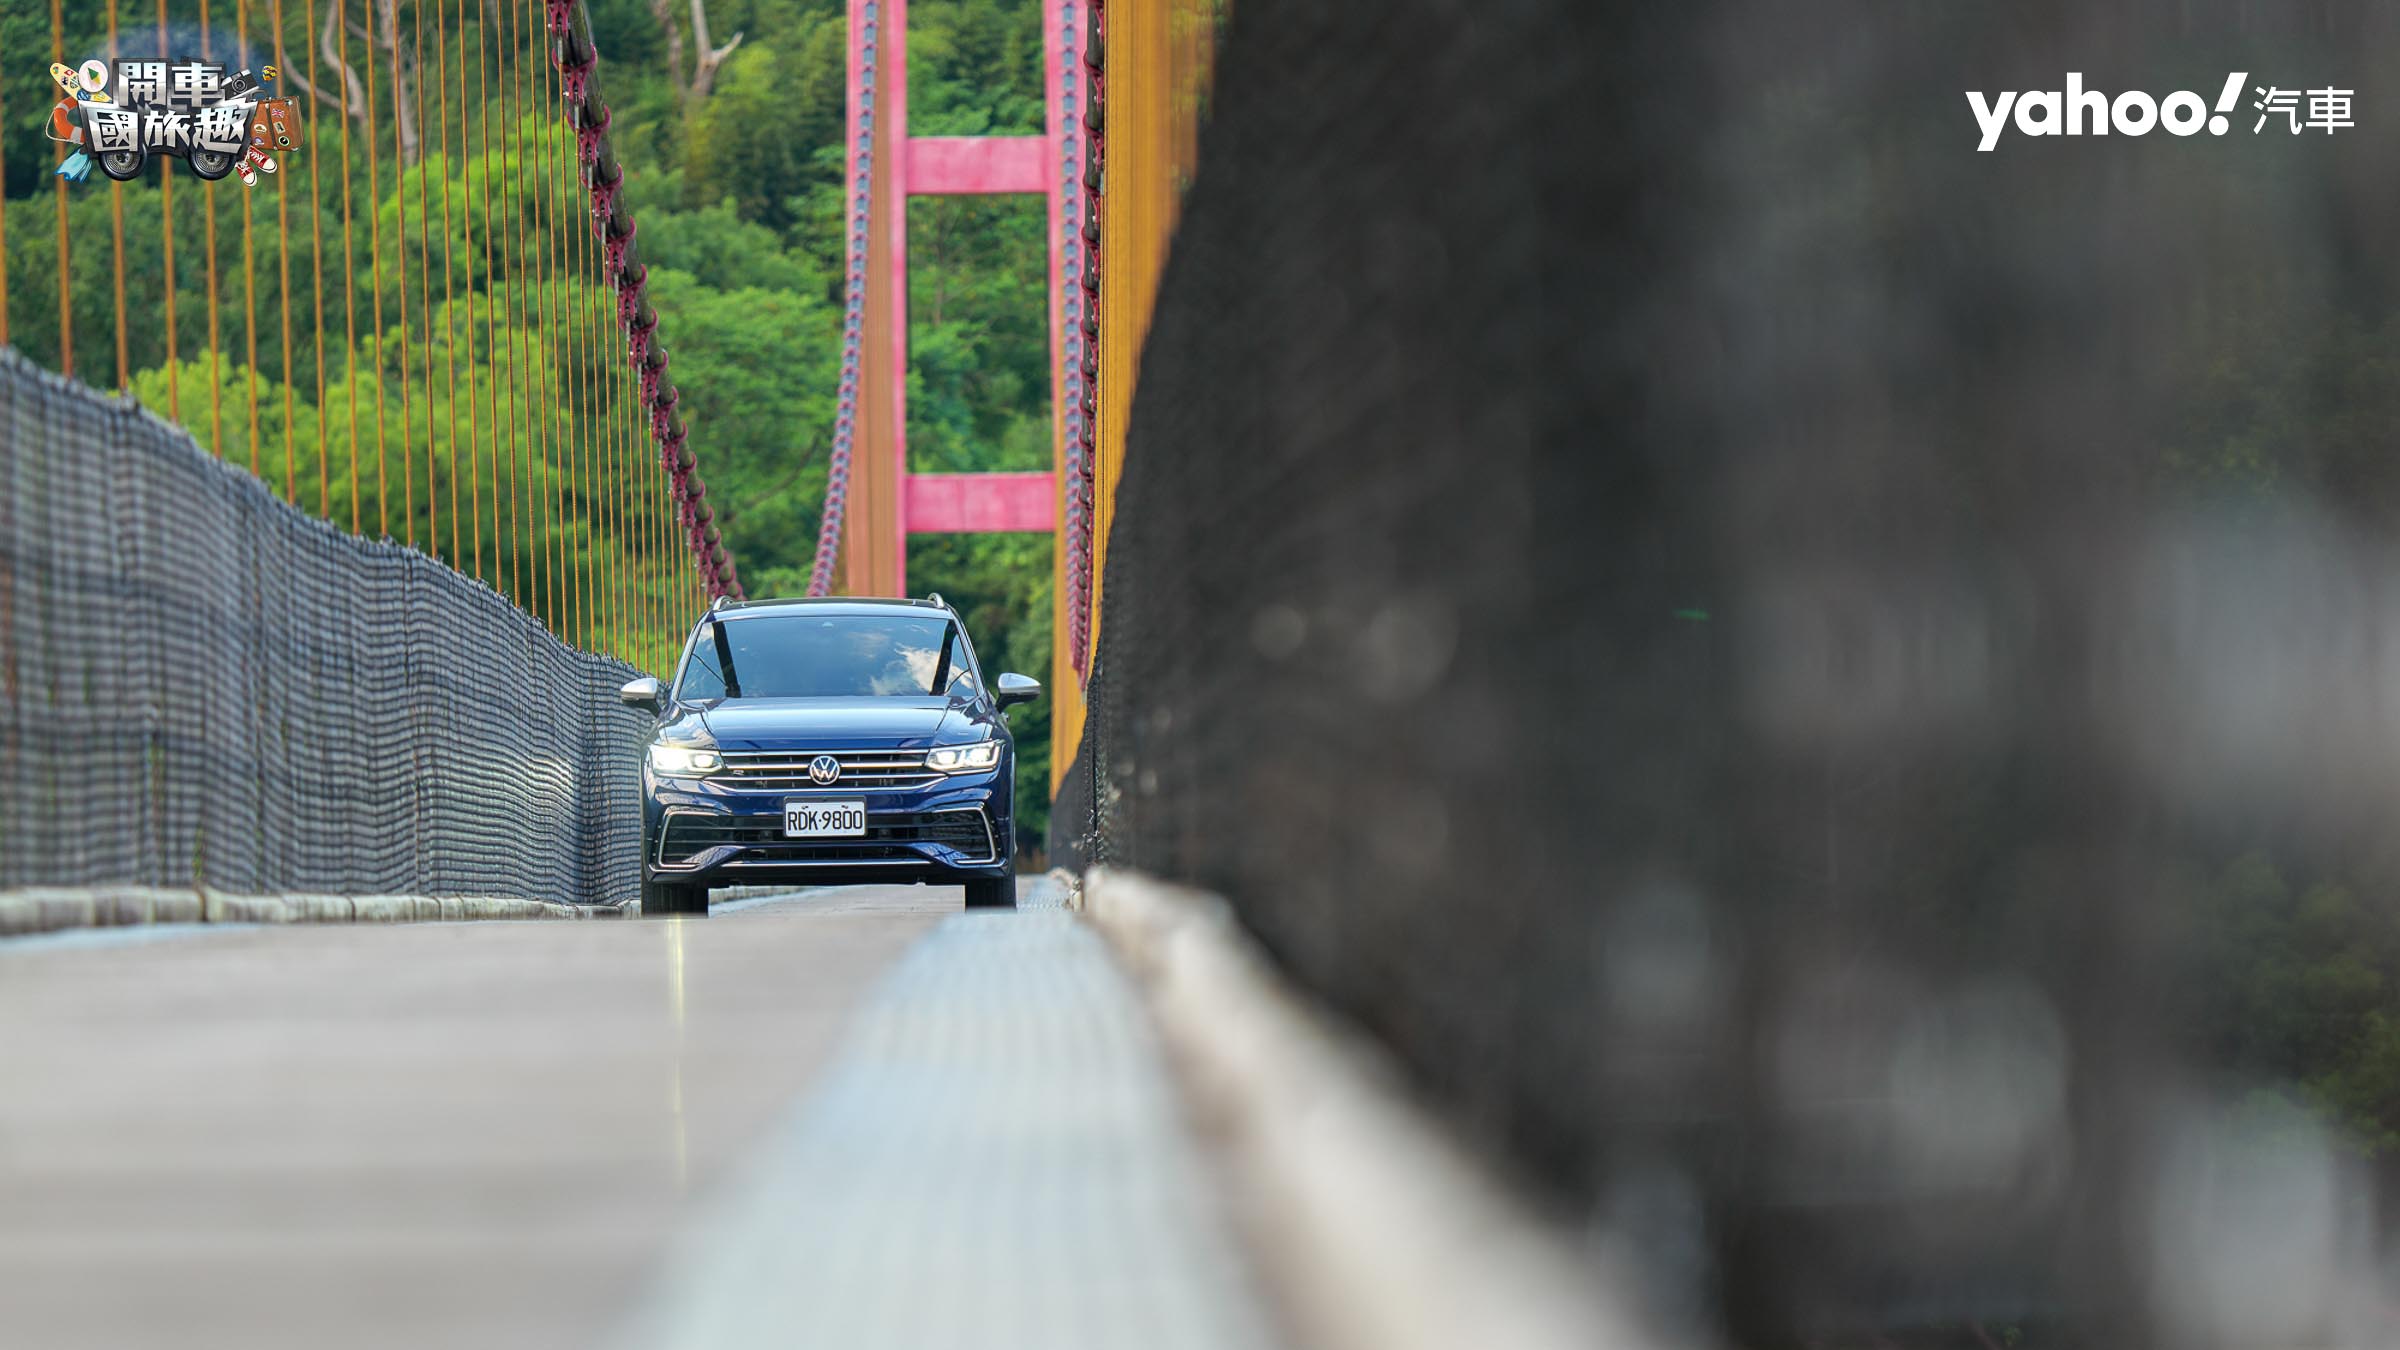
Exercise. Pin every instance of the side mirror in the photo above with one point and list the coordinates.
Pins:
(645, 692)
(1013, 688)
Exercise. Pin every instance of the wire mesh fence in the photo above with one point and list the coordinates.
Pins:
(205, 685)
(1827, 692)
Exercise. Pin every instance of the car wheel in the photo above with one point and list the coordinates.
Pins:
(210, 165)
(123, 165)
(1001, 894)
(660, 899)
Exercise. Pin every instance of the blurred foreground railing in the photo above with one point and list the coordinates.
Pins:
(1830, 694)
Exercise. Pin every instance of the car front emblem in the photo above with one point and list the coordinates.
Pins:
(824, 769)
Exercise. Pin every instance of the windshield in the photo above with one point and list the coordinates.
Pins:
(826, 656)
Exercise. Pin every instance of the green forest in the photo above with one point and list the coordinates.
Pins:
(452, 186)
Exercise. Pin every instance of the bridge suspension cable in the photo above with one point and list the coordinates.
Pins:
(66, 320)
(511, 382)
(858, 160)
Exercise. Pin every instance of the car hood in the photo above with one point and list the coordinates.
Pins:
(817, 723)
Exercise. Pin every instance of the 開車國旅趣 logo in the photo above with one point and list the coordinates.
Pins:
(119, 116)
(2080, 111)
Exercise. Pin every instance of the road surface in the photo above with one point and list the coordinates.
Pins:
(851, 1118)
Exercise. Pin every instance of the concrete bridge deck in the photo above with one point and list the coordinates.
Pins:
(855, 1118)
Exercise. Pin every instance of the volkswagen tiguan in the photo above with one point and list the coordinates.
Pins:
(828, 742)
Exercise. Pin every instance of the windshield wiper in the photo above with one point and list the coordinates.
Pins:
(733, 683)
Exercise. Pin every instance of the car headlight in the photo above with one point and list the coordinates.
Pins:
(684, 761)
(964, 758)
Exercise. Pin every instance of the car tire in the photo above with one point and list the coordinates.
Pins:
(1001, 894)
(662, 899)
(210, 165)
(123, 165)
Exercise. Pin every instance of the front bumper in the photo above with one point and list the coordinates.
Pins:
(711, 833)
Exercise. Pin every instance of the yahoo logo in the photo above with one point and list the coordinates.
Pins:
(2077, 111)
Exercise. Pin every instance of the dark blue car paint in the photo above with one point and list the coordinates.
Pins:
(837, 724)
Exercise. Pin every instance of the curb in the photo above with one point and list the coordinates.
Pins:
(1070, 885)
(48, 910)
(1375, 1228)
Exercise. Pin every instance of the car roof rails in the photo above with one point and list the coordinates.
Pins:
(719, 603)
(935, 598)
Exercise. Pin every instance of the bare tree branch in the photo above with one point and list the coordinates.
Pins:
(300, 82)
(404, 103)
(353, 102)
(704, 69)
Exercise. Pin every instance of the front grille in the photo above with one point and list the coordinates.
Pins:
(887, 838)
(862, 770)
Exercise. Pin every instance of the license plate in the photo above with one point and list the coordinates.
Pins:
(816, 820)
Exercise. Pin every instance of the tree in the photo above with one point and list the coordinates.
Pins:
(704, 71)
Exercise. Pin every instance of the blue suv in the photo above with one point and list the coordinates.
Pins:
(828, 742)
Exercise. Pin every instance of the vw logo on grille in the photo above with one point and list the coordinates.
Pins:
(824, 769)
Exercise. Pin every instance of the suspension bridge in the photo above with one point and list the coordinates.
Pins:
(318, 592)
(1656, 692)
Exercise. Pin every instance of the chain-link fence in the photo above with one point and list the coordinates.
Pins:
(204, 685)
(1829, 693)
